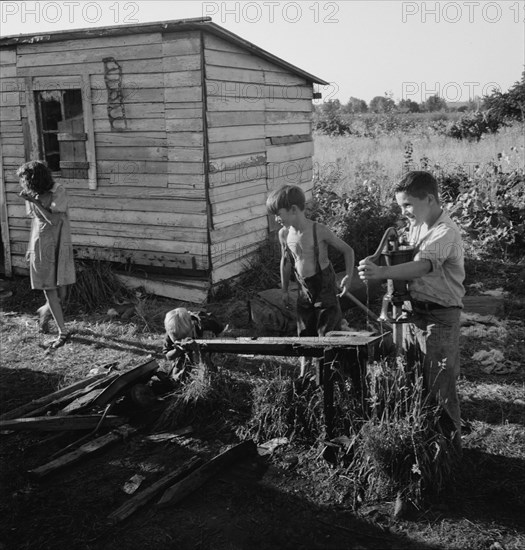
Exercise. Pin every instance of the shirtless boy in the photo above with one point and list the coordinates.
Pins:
(304, 249)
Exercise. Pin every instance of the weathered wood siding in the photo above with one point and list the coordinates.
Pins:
(209, 130)
(149, 204)
(259, 137)
(11, 144)
(12, 151)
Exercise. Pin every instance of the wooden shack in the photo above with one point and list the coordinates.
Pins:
(168, 137)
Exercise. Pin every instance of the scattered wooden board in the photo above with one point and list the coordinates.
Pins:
(198, 477)
(61, 423)
(23, 410)
(125, 381)
(142, 498)
(85, 450)
(168, 436)
(69, 398)
(86, 399)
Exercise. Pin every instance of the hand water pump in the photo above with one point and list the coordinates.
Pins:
(392, 252)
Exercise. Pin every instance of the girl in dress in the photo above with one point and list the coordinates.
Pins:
(50, 251)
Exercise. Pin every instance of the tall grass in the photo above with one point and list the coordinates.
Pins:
(400, 447)
(381, 159)
(391, 442)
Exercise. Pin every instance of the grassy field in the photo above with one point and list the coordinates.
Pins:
(301, 502)
(381, 159)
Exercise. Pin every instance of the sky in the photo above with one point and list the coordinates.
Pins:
(406, 49)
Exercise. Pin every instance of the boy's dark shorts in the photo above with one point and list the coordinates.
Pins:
(318, 309)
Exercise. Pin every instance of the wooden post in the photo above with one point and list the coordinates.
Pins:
(89, 129)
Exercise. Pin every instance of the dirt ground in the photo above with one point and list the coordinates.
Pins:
(291, 500)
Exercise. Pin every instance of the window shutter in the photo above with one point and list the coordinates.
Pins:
(72, 144)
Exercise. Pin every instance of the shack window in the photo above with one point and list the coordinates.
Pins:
(61, 131)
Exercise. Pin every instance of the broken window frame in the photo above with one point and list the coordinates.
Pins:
(72, 161)
(67, 82)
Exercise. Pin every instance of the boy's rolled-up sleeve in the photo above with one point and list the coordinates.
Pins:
(440, 246)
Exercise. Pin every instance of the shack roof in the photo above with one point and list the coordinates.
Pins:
(200, 24)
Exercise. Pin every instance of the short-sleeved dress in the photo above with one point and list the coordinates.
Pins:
(50, 250)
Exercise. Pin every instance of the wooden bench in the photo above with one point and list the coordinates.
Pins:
(339, 353)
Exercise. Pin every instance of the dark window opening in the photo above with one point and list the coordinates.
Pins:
(61, 131)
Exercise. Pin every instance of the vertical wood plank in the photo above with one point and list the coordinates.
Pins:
(31, 117)
(4, 221)
(88, 124)
(204, 88)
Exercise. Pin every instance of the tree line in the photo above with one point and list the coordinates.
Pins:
(510, 104)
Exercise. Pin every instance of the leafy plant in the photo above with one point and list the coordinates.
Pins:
(359, 216)
(491, 210)
(509, 105)
(472, 126)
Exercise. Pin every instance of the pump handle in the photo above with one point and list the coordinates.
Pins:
(390, 231)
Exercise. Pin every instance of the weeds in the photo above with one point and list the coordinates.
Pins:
(282, 407)
(96, 286)
(400, 447)
(208, 398)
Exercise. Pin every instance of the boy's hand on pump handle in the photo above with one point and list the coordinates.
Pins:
(369, 270)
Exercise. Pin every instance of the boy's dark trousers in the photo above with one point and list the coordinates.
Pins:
(431, 341)
(318, 309)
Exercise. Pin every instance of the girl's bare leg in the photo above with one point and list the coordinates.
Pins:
(55, 306)
(62, 295)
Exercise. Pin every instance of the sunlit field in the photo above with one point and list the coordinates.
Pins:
(382, 158)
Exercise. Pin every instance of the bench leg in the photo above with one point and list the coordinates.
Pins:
(329, 371)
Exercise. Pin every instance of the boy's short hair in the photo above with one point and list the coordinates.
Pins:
(285, 197)
(419, 184)
(38, 176)
(179, 324)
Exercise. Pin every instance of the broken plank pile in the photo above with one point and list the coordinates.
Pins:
(85, 406)
(82, 406)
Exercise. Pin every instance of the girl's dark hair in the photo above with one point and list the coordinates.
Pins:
(38, 176)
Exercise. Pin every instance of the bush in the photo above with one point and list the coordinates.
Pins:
(472, 126)
(509, 105)
(358, 217)
(332, 125)
(490, 209)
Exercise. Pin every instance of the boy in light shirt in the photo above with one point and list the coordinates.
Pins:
(435, 277)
